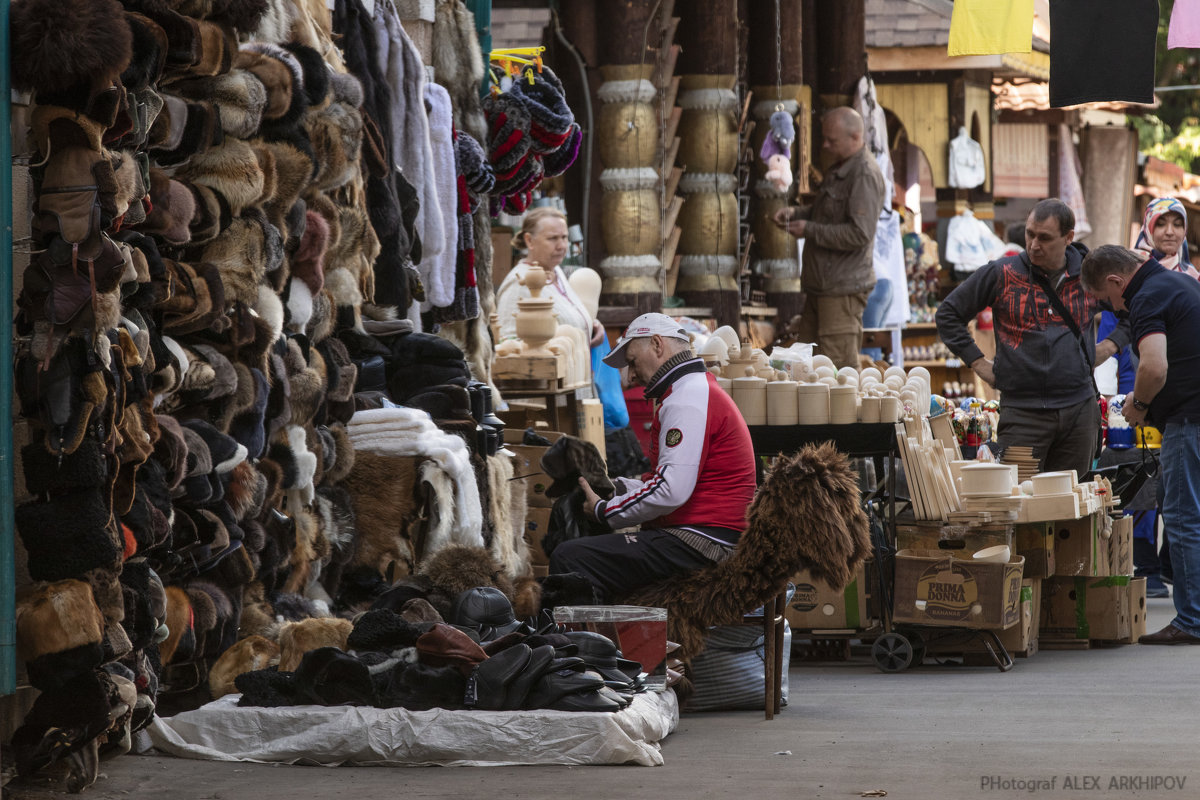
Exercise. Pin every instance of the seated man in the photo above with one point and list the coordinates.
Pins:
(692, 505)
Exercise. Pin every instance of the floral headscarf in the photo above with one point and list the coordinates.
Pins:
(1180, 262)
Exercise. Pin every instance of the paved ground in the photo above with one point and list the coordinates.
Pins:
(1085, 720)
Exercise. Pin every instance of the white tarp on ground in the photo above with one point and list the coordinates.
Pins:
(331, 736)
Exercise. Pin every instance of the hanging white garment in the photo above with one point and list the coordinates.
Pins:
(888, 261)
(875, 136)
(970, 243)
(968, 168)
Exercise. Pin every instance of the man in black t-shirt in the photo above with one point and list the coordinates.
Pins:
(1164, 312)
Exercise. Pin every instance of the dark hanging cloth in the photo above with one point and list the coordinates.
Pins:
(1102, 50)
(391, 201)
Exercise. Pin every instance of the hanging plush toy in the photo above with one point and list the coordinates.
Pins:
(776, 149)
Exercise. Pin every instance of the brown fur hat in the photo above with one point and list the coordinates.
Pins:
(805, 515)
(246, 491)
(297, 638)
(239, 93)
(239, 254)
(172, 208)
(218, 44)
(456, 568)
(181, 637)
(307, 381)
(336, 133)
(212, 213)
(231, 170)
(68, 49)
(293, 174)
(251, 653)
(59, 630)
(148, 50)
(275, 77)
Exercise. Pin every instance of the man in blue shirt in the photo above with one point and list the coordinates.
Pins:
(1164, 313)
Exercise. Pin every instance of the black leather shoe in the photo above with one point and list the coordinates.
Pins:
(1169, 635)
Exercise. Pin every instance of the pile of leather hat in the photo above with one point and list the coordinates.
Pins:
(484, 612)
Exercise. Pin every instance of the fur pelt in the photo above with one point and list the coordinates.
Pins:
(251, 653)
(306, 552)
(275, 24)
(527, 597)
(806, 515)
(297, 638)
(383, 492)
(231, 170)
(60, 46)
(179, 623)
(504, 545)
(258, 617)
(54, 617)
(458, 64)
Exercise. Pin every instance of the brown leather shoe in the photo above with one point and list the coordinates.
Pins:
(1169, 635)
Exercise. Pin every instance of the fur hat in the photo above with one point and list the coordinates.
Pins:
(508, 132)
(571, 458)
(559, 161)
(274, 24)
(308, 261)
(244, 15)
(327, 676)
(270, 688)
(247, 426)
(68, 535)
(59, 631)
(251, 653)
(180, 622)
(456, 568)
(183, 131)
(472, 163)
(47, 473)
(232, 170)
(336, 133)
(383, 630)
(239, 254)
(217, 44)
(315, 71)
(148, 52)
(297, 638)
(225, 452)
(172, 208)
(275, 78)
(68, 49)
(550, 118)
(240, 95)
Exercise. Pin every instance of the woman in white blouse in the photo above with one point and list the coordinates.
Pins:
(543, 236)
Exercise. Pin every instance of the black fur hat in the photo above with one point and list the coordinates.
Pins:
(329, 677)
(383, 630)
(267, 687)
(68, 535)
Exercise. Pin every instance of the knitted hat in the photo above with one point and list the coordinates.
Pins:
(508, 131)
(558, 161)
(472, 163)
(550, 118)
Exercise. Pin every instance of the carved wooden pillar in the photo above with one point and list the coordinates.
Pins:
(776, 74)
(708, 153)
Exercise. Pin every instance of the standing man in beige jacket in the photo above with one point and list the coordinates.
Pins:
(839, 232)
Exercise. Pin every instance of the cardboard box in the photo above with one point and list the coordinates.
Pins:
(1075, 608)
(1120, 547)
(935, 588)
(1035, 542)
(815, 606)
(537, 522)
(1021, 640)
(590, 423)
(1137, 609)
(1080, 546)
(527, 465)
(962, 540)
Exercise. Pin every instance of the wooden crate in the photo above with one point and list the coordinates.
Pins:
(531, 374)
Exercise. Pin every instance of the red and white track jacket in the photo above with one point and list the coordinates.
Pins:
(701, 455)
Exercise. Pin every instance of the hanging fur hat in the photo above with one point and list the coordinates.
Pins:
(315, 71)
(68, 50)
(239, 254)
(218, 44)
(276, 80)
(47, 472)
(183, 129)
(308, 262)
(274, 24)
(240, 95)
(247, 426)
(68, 535)
(232, 170)
(508, 132)
(336, 133)
(59, 632)
(550, 118)
(148, 52)
(559, 161)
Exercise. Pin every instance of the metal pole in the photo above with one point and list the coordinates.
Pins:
(8, 625)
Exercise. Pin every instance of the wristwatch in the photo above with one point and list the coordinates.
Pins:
(1138, 404)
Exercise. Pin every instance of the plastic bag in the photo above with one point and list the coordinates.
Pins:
(607, 381)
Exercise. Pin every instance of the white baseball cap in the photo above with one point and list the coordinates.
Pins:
(646, 325)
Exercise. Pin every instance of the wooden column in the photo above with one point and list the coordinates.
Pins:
(776, 79)
(842, 52)
(708, 154)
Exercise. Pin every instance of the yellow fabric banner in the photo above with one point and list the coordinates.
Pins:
(991, 27)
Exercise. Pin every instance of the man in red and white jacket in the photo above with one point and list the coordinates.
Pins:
(692, 506)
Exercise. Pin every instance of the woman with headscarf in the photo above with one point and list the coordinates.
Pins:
(1164, 235)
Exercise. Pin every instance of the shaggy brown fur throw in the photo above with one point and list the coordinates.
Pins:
(806, 515)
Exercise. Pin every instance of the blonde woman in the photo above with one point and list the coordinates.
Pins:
(543, 237)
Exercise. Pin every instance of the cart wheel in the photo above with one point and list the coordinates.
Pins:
(892, 652)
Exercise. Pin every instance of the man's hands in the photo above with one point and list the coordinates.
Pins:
(783, 218)
(1104, 351)
(983, 368)
(590, 498)
(1132, 415)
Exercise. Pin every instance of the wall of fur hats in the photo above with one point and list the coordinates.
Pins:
(240, 230)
